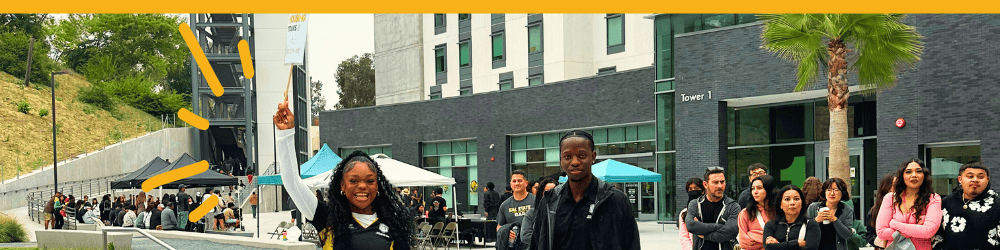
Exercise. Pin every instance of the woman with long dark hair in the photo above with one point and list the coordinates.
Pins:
(758, 212)
(913, 210)
(884, 188)
(812, 189)
(790, 229)
(364, 210)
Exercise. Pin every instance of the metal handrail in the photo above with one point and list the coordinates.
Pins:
(105, 231)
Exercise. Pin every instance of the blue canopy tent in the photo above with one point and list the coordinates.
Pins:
(323, 161)
(615, 171)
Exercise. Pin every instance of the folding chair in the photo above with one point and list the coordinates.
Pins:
(424, 235)
(277, 230)
(448, 234)
(435, 233)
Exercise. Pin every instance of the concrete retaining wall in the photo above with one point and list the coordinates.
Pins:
(235, 240)
(66, 239)
(113, 160)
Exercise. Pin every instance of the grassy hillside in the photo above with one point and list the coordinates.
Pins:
(26, 139)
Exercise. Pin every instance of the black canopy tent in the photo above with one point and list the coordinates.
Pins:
(135, 179)
(203, 179)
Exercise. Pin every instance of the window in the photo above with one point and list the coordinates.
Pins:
(535, 80)
(615, 33)
(457, 159)
(439, 60)
(535, 38)
(465, 16)
(506, 84)
(539, 154)
(435, 96)
(464, 54)
(387, 150)
(439, 20)
(944, 162)
(465, 91)
(498, 46)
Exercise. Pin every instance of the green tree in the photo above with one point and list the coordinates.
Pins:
(356, 80)
(140, 59)
(16, 33)
(880, 45)
(318, 101)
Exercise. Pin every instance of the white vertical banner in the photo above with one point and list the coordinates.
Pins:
(295, 46)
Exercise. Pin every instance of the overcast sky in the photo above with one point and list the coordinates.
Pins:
(334, 38)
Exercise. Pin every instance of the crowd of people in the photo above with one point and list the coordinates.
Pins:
(169, 212)
(907, 213)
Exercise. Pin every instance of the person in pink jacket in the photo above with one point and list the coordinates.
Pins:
(914, 210)
(758, 212)
(686, 243)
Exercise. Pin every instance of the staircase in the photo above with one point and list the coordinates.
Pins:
(245, 193)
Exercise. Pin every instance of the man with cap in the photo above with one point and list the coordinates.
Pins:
(182, 207)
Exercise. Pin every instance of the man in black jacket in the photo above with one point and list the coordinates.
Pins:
(756, 169)
(585, 212)
(491, 201)
(971, 213)
(182, 207)
(712, 218)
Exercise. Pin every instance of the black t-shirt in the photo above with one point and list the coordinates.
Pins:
(573, 218)
(828, 237)
(710, 213)
(437, 210)
(376, 236)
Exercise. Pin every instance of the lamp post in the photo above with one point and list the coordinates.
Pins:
(55, 159)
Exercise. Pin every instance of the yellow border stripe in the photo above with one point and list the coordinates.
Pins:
(203, 209)
(193, 119)
(245, 60)
(199, 56)
(512, 6)
(174, 175)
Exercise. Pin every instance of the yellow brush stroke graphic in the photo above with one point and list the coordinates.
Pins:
(199, 56)
(203, 209)
(174, 175)
(193, 119)
(245, 59)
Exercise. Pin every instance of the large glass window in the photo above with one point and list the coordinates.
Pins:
(535, 38)
(506, 84)
(498, 46)
(665, 122)
(535, 80)
(457, 159)
(464, 54)
(439, 60)
(387, 150)
(667, 193)
(945, 161)
(616, 30)
(464, 16)
(439, 20)
(539, 154)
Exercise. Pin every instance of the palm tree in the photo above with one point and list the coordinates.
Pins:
(882, 44)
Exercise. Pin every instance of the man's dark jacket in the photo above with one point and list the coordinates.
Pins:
(612, 226)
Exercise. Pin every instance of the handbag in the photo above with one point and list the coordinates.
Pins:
(900, 242)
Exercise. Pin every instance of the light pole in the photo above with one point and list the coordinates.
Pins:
(55, 159)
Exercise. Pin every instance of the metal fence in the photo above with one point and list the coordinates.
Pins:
(93, 188)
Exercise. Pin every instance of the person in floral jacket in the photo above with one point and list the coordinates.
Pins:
(970, 214)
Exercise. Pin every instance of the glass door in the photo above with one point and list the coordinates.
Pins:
(856, 154)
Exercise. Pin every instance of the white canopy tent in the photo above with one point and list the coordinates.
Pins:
(399, 173)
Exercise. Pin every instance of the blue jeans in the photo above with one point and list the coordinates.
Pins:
(254, 208)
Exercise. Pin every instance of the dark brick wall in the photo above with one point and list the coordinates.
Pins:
(951, 95)
(624, 97)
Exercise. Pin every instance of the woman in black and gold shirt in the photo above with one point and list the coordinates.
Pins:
(364, 211)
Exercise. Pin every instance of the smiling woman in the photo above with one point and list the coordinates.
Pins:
(359, 195)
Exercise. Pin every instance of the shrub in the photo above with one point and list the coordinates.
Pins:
(43, 112)
(11, 230)
(23, 106)
(97, 96)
